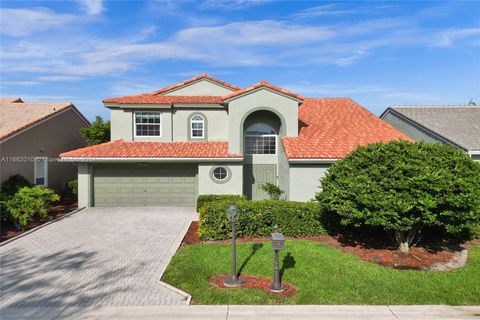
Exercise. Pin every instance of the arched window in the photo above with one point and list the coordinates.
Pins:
(197, 127)
(260, 138)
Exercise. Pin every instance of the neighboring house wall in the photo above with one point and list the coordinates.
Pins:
(305, 180)
(415, 132)
(200, 88)
(206, 185)
(47, 139)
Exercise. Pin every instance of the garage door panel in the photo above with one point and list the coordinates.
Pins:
(128, 185)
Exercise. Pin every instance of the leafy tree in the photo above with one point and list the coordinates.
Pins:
(29, 202)
(98, 132)
(404, 187)
(273, 191)
(8, 190)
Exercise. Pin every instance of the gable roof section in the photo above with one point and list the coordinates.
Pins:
(330, 128)
(146, 149)
(262, 84)
(18, 116)
(149, 98)
(197, 78)
(458, 124)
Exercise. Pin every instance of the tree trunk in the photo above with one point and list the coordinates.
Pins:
(404, 247)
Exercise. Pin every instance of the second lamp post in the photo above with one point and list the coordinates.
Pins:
(234, 280)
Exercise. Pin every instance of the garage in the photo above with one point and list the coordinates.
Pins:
(144, 185)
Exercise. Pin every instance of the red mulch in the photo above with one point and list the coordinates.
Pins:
(418, 258)
(8, 230)
(254, 282)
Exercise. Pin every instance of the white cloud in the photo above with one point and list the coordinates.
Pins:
(23, 22)
(92, 7)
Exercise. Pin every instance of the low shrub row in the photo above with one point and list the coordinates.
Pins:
(257, 219)
(206, 198)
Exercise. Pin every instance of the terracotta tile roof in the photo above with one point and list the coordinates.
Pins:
(142, 149)
(202, 76)
(331, 128)
(263, 84)
(149, 98)
(17, 116)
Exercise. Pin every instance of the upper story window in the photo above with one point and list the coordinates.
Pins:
(197, 127)
(260, 138)
(148, 124)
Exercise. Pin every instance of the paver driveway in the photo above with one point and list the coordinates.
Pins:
(98, 256)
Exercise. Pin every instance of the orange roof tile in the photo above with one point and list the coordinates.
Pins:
(263, 84)
(143, 149)
(148, 98)
(331, 128)
(202, 76)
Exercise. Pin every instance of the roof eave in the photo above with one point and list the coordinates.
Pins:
(117, 159)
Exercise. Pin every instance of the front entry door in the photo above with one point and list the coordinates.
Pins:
(255, 175)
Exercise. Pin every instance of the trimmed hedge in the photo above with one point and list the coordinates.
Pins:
(206, 198)
(257, 219)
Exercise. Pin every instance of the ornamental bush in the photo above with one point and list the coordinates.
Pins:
(404, 187)
(29, 202)
(206, 198)
(8, 190)
(273, 191)
(257, 219)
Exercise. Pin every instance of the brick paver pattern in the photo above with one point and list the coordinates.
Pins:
(96, 257)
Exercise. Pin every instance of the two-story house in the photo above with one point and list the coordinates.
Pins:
(205, 136)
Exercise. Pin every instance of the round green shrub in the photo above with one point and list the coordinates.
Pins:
(404, 187)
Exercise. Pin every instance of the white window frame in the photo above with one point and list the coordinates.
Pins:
(135, 124)
(261, 135)
(45, 171)
(197, 121)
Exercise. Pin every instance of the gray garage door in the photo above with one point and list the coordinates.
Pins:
(152, 185)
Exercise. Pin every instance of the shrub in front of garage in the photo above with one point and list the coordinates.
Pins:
(206, 198)
(257, 219)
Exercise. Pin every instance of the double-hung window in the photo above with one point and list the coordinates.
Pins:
(197, 127)
(260, 138)
(148, 124)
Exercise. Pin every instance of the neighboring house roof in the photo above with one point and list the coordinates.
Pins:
(200, 77)
(330, 128)
(10, 100)
(147, 149)
(260, 85)
(153, 99)
(458, 124)
(17, 116)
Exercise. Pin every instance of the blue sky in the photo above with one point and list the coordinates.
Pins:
(378, 53)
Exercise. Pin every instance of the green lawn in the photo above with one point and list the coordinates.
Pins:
(322, 275)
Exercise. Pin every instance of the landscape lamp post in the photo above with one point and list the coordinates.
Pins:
(234, 280)
(278, 243)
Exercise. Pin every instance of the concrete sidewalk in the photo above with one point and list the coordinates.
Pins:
(235, 312)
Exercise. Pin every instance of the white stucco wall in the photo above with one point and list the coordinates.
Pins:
(305, 180)
(207, 186)
(201, 88)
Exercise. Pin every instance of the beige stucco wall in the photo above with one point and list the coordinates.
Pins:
(201, 88)
(58, 134)
(216, 123)
(84, 185)
(239, 109)
(207, 186)
(305, 180)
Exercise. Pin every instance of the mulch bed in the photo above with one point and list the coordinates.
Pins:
(8, 230)
(254, 282)
(419, 258)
